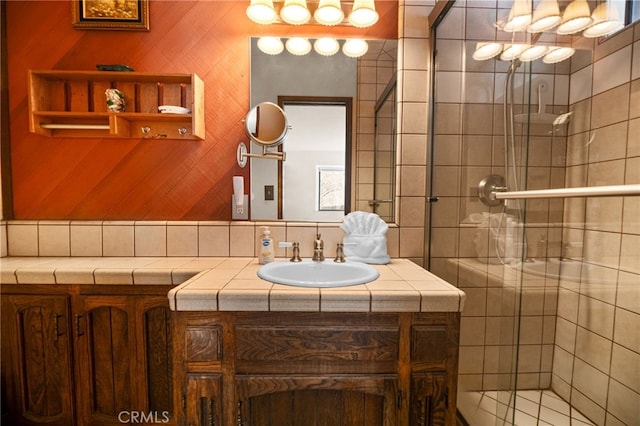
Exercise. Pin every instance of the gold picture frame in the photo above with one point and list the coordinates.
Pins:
(110, 14)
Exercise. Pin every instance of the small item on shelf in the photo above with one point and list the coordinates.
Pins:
(115, 100)
(114, 67)
(173, 109)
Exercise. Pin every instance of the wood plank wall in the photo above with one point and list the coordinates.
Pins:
(130, 179)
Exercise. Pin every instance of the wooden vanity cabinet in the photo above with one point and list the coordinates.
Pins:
(85, 358)
(288, 368)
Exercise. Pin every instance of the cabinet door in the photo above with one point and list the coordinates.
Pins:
(124, 367)
(310, 401)
(36, 360)
(429, 406)
(155, 377)
(106, 370)
(201, 401)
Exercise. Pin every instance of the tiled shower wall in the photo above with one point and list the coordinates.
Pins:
(596, 361)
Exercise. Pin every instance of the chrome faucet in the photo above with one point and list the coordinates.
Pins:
(318, 249)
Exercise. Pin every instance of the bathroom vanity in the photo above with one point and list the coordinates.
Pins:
(225, 348)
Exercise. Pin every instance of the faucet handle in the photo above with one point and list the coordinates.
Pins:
(296, 250)
(296, 253)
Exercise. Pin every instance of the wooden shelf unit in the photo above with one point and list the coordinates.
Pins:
(73, 104)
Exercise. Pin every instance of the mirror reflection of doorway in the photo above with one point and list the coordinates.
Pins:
(315, 174)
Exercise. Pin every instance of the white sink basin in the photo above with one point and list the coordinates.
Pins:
(318, 274)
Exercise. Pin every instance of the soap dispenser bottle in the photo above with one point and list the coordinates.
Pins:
(266, 247)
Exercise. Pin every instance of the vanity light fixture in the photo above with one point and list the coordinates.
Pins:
(519, 16)
(326, 46)
(329, 12)
(262, 12)
(270, 45)
(558, 54)
(298, 46)
(545, 17)
(486, 51)
(363, 13)
(576, 17)
(355, 47)
(295, 12)
(523, 52)
(605, 20)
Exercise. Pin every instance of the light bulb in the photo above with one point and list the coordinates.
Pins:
(532, 53)
(329, 12)
(363, 13)
(512, 51)
(545, 17)
(270, 45)
(604, 21)
(326, 46)
(519, 16)
(355, 47)
(298, 46)
(558, 54)
(295, 12)
(486, 51)
(576, 17)
(262, 11)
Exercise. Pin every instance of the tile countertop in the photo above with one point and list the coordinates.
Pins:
(231, 284)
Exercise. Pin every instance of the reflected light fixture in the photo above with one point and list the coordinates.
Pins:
(519, 16)
(363, 13)
(295, 12)
(558, 54)
(270, 45)
(545, 17)
(298, 46)
(486, 51)
(532, 53)
(329, 12)
(262, 11)
(513, 51)
(576, 17)
(326, 46)
(355, 47)
(605, 20)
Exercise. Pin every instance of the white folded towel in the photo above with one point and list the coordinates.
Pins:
(365, 239)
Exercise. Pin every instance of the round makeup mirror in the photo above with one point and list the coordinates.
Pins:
(266, 124)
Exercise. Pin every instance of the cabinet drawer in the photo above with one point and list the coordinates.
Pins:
(319, 343)
(203, 343)
(429, 344)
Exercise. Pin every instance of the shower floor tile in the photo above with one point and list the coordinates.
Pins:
(533, 408)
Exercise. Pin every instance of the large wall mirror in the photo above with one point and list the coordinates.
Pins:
(321, 99)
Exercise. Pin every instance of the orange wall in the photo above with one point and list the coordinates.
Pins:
(134, 179)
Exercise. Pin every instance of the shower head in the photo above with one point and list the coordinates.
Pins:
(542, 117)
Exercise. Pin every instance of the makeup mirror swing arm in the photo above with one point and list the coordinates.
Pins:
(242, 154)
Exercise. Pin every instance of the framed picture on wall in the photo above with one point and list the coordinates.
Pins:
(110, 14)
